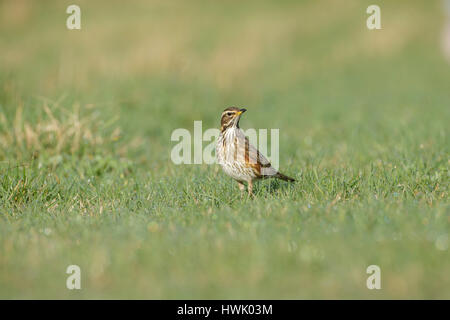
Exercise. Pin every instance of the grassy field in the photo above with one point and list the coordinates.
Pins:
(86, 177)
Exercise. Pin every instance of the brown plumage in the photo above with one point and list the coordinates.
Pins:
(238, 158)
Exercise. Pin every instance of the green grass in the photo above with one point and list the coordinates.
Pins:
(86, 176)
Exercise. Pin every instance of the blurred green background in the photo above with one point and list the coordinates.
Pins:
(86, 177)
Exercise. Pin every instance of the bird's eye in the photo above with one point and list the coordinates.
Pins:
(229, 113)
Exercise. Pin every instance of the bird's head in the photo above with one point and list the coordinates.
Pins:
(230, 118)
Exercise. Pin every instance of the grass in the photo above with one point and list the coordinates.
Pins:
(86, 176)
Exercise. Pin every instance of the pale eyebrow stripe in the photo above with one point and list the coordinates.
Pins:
(227, 112)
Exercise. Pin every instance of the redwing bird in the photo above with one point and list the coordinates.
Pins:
(238, 158)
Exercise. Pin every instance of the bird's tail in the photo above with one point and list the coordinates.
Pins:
(284, 177)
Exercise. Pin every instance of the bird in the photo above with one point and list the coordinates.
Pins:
(238, 158)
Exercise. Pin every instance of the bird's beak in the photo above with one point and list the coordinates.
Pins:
(241, 111)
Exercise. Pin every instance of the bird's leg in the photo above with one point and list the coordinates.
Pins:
(241, 187)
(250, 188)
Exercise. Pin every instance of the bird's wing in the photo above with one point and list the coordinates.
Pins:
(251, 156)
